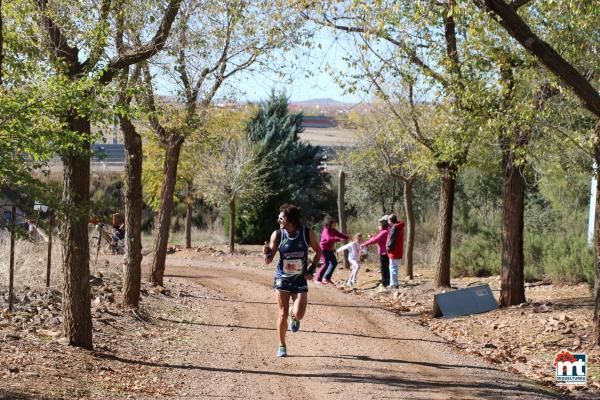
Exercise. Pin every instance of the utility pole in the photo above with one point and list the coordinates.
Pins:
(342, 210)
(592, 216)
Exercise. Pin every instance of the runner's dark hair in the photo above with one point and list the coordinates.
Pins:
(292, 213)
(393, 218)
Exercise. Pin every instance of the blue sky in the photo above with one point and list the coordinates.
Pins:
(306, 79)
(305, 76)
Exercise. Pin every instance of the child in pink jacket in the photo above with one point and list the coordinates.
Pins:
(329, 237)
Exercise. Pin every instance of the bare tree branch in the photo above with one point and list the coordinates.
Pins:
(57, 42)
(220, 66)
(410, 53)
(147, 50)
(98, 45)
(205, 72)
(519, 30)
(392, 107)
(150, 103)
(413, 115)
(243, 65)
(181, 59)
(183, 74)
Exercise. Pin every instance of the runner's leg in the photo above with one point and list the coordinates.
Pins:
(300, 305)
(283, 302)
(293, 298)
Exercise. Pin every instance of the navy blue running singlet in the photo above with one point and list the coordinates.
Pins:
(293, 262)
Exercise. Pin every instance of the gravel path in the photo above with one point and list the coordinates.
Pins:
(347, 348)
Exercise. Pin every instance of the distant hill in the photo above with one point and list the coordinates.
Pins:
(323, 101)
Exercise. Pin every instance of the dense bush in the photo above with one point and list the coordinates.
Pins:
(477, 255)
(564, 257)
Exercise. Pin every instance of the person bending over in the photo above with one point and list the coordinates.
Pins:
(329, 237)
(381, 239)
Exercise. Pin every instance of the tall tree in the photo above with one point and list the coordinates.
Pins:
(80, 59)
(132, 268)
(580, 81)
(231, 171)
(187, 191)
(417, 42)
(384, 141)
(215, 40)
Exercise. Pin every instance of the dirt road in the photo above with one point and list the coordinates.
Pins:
(347, 348)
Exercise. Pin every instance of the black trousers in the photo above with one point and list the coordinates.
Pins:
(384, 265)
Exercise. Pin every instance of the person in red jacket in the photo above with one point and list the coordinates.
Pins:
(395, 248)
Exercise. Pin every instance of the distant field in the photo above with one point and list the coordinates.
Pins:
(328, 136)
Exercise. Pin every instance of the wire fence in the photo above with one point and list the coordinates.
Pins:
(30, 263)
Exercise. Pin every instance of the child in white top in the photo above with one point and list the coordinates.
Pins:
(353, 256)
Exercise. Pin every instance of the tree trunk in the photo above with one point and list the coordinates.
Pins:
(132, 266)
(410, 226)
(596, 338)
(188, 224)
(77, 317)
(1, 45)
(49, 258)
(342, 210)
(163, 219)
(444, 233)
(232, 225)
(512, 291)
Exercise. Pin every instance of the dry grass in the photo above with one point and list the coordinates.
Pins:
(30, 262)
(30, 257)
(211, 237)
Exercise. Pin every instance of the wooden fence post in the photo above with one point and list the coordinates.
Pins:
(49, 260)
(11, 268)
(342, 210)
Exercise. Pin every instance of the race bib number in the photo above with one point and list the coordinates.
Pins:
(292, 267)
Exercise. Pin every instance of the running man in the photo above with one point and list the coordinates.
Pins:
(292, 241)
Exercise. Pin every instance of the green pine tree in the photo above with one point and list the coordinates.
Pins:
(295, 178)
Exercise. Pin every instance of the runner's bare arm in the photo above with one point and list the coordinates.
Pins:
(314, 243)
(270, 249)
